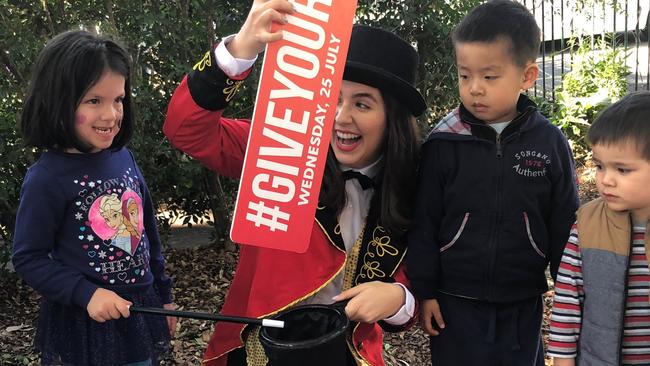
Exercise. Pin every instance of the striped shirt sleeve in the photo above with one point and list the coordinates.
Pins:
(566, 315)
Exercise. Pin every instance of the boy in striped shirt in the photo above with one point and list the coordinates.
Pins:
(601, 309)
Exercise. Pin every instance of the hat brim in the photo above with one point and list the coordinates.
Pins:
(403, 91)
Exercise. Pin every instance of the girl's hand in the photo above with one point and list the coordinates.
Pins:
(256, 32)
(106, 305)
(372, 301)
(171, 320)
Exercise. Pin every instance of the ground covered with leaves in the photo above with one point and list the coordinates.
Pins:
(201, 278)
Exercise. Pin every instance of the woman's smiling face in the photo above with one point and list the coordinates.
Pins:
(359, 126)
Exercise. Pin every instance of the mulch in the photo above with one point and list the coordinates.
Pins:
(201, 278)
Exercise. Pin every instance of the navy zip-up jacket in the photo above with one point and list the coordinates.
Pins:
(492, 210)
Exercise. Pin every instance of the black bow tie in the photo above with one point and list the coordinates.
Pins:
(364, 180)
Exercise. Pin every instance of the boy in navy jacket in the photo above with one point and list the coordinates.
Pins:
(496, 199)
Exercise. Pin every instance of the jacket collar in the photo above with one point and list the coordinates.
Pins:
(602, 228)
(480, 129)
(463, 123)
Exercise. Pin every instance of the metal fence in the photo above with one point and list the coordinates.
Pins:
(621, 23)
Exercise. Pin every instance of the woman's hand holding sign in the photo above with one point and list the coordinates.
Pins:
(256, 32)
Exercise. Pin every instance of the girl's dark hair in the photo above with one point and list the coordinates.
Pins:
(65, 69)
(393, 200)
(624, 121)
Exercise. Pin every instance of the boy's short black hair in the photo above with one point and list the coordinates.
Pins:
(65, 69)
(502, 19)
(627, 120)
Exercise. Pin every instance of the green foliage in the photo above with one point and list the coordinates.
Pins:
(597, 79)
(428, 25)
(165, 38)
(14, 158)
(585, 5)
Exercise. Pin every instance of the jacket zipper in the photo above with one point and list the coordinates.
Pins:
(499, 147)
(493, 244)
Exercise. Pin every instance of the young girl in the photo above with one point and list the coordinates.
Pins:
(357, 245)
(78, 108)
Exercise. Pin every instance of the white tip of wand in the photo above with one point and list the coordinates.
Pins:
(272, 323)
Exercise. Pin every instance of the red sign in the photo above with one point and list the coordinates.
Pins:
(292, 125)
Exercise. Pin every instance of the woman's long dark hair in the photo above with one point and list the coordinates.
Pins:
(392, 202)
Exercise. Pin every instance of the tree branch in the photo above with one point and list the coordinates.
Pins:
(108, 5)
(48, 15)
(8, 65)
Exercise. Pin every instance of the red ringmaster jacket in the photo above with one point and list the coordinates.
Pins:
(268, 281)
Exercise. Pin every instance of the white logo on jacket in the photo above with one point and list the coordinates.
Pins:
(531, 163)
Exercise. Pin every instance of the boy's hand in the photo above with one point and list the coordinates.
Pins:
(106, 305)
(564, 361)
(372, 301)
(431, 312)
(256, 32)
(171, 320)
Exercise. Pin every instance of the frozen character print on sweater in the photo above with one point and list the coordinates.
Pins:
(111, 227)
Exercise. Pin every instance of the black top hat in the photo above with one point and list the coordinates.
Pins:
(383, 60)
